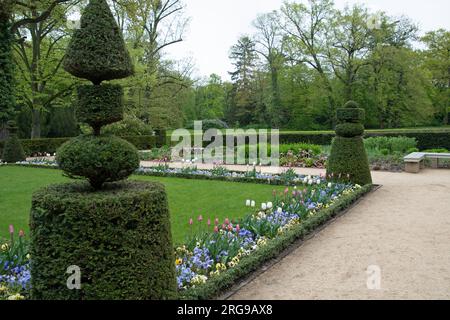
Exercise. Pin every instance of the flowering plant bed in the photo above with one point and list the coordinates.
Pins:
(14, 267)
(212, 262)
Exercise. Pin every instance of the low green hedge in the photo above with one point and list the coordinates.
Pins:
(427, 139)
(50, 145)
(119, 237)
(218, 285)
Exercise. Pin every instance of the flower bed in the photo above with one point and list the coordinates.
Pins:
(262, 237)
(14, 267)
(216, 247)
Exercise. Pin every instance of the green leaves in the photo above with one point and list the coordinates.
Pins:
(97, 51)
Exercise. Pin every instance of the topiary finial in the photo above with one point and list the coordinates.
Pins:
(97, 51)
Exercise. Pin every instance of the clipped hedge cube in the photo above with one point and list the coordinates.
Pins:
(119, 237)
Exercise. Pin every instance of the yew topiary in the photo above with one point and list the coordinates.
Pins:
(116, 233)
(97, 51)
(348, 157)
(13, 151)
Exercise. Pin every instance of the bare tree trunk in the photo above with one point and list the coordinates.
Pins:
(36, 124)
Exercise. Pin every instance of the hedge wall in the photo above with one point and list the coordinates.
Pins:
(50, 145)
(426, 139)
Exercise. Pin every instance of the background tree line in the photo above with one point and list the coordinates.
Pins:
(301, 63)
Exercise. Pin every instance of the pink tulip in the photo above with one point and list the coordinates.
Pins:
(230, 228)
(216, 229)
(224, 227)
(209, 222)
(21, 233)
(286, 191)
(227, 221)
(238, 228)
(11, 229)
(200, 218)
(191, 222)
(216, 222)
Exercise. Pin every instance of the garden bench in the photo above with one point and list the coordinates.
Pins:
(415, 161)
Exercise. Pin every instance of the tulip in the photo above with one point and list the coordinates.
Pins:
(11, 229)
(263, 206)
(269, 205)
(286, 191)
(21, 233)
(209, 222)
(238, 228)
(200, 218)
(216, 229)
(230, 228)
(248, 203)
(253, 204)
(224, 226)
(227, 221)
(216, 222)
(329, 185)
(191, 222)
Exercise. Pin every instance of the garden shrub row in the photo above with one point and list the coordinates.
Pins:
(216, 286)
(50, 145)
(430, 139)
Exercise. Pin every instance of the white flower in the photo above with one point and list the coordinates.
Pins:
(248, 203)
(269, 205)
(310, 182)
(329, 185)
(318, 181)
(263, 206)
(253, 204)
(254, 164)
(279, 210)
(305, 180)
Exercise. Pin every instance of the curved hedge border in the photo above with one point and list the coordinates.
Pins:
(218, 285)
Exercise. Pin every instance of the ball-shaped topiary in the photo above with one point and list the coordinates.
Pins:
(119, 237)
(13, 150)
(348, 157)
(100, 159)
(97, 51)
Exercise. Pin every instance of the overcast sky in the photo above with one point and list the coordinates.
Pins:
(217, 24)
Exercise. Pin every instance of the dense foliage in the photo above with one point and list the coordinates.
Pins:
(283, 76)
(348, 158)
(119, 237)
(12, 151)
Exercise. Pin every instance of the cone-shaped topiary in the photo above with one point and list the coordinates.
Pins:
(13, 151)
(348, 157)
(97, 51)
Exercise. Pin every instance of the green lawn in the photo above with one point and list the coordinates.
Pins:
(187, 198)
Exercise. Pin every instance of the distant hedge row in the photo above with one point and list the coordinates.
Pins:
(425, 139)
(50, 145)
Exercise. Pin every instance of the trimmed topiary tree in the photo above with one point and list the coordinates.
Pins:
(13, 151)
(116, 233)
(348, 158)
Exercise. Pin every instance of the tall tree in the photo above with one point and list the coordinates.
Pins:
(9, 24)
(305, 28)
(244, 58)
(437, 60)
(39, 56)
(268, 41)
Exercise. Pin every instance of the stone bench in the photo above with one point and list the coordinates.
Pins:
(415, 161)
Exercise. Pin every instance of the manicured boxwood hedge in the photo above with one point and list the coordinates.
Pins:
(427, 139)
(218, 285)
(119, 237)
(50, 145)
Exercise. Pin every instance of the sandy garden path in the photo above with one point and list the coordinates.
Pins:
(404, 228)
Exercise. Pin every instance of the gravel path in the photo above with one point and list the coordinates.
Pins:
(404, 228)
